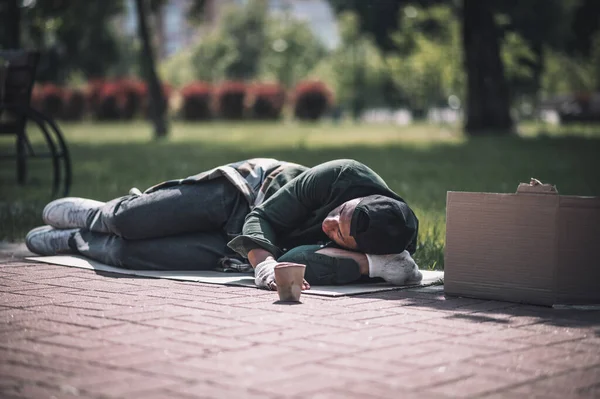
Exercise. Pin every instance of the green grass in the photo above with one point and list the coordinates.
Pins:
(420, 162)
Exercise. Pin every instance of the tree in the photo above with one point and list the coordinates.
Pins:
(427, 68)
(541, 24)
(379, 17)
(10, 36)
(71, 35)
(488, 101)
(157, 100)
(234, 51)
(355, 69)
(585, 24)
(291, 51)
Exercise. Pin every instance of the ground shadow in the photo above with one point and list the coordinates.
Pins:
(489, 311)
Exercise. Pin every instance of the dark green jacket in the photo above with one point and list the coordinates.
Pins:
(293, 215)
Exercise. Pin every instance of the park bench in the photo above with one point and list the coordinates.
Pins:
(17, 76)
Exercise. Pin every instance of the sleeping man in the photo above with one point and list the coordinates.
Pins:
(338, 218)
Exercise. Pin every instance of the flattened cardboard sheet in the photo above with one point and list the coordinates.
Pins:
(237, 279)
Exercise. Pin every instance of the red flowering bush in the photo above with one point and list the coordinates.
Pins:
(196, 100)
(110, 101)
(167, 91)
(92, 95)
(266, 101)
(50, 100)
(74, 104)
(36, 98)
(311, 100)
(133, 97)
(229, 100)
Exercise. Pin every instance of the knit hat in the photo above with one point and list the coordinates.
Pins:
(383, 225)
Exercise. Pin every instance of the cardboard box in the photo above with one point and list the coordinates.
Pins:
(534, 246)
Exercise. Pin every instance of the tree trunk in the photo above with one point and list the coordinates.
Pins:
(538, 70)
(11, 19)
(157, 100)
(488, 101)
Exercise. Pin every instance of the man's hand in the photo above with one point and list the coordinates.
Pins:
(264, 275)
(397, 269)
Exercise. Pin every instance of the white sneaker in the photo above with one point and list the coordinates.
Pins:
(70, 212)
(46, 240)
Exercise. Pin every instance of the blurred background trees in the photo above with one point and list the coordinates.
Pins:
(494, 62)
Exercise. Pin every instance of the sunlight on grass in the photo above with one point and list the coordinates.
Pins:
(420, 162)
(264, 136)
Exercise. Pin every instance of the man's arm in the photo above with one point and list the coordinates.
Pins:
(258, 255)
(284, 211)
(358, 257)
(264, 262)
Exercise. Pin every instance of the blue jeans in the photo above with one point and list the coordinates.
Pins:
(183, 227)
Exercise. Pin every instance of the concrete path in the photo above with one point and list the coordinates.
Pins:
(69, 333)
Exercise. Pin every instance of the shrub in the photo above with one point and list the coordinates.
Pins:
(311, 100)
(51, 100)
(133, 97)
(74, 104)
(92, 95)
(110, 102)
(229, 100)
(36, 98)
(266, 101)
(196, 100)
(167, 91)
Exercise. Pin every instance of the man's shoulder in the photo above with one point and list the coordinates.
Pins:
(341, 163)
(339, 167)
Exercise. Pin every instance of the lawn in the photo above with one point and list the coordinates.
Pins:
(420, 162)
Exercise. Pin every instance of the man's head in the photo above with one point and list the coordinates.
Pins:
(375, 224)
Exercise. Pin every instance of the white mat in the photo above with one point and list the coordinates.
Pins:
(239, 279)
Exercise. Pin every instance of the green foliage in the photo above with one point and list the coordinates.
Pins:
(378, 17)
(291, 51)
(418, 162)
(234, 50)
(177, 70)
(212, 59)
(249, 44)
(595, 60)
(73, 36)
(519, 61)
(565, 74)
(355, 70)
(539, 22)
(428, 65)
(197, 11)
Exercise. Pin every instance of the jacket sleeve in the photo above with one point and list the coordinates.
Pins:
(287, 209)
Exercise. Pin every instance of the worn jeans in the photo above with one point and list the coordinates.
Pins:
(187, 227)
(183, 227)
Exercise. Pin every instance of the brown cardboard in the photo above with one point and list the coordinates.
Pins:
(534, 246)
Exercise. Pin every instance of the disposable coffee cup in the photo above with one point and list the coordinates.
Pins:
(289, 278)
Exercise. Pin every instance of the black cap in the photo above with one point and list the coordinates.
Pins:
(382, 225)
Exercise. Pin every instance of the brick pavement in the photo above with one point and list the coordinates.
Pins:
(67, 332)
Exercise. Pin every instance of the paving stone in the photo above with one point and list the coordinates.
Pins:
(132, 386)
(67, 332)
(471, 386)
(535, 360)
(583, 383)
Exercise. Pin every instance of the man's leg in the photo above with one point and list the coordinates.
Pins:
(210, 206)
(193, 251)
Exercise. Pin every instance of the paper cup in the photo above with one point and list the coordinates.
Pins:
(289, 278)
